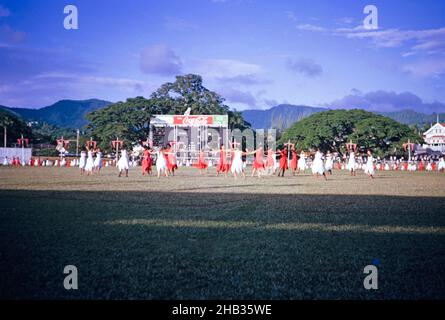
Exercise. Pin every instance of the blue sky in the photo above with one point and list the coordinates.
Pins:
(256, 54)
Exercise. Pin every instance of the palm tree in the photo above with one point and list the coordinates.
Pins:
(236, 120)
(5, 122)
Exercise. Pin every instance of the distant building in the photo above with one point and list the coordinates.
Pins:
(435, 137)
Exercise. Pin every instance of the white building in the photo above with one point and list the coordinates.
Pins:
(435, 137)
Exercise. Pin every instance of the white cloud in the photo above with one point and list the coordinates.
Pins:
(434, 68)
(386, 101)
(305, 66)
(309, 27)
(160, 59)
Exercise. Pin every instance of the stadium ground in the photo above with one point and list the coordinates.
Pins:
(206, 237)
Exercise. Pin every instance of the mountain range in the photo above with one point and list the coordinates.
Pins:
(71, 114)
(279, 117)
(64, 113)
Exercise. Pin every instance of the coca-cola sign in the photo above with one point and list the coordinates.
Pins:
(193, 120)
(190, 120)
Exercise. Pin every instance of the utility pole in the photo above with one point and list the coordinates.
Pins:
(77, 143)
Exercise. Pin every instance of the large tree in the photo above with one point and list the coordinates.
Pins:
(331, 130)
(127, 120)
(188, 91)
(130, 120)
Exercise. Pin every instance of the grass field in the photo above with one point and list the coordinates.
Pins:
(207, 237)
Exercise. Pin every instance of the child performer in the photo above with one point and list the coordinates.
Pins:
(294, 159)
(171, 160)
(223, 165)
(318, 165)
(146, 161)
(123, 163)
(329, 163)
(283, 160)
(369, 168)
(98, 161)
(441, 165)
(271, 162)
(202, 164)
(301, 162)
(161, 163)
(82, 161)
(237, 166)
(351, 163)
(258, 162)
(89, 166)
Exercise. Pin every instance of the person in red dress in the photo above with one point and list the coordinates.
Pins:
(223, 165)
(258, 162)
(294, 159)
(171, 160)
(421, 166)
(270, 165)
(202, 164)
(167, 159)
(146, 161)
(283, 160)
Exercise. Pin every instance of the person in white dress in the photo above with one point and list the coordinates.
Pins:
(123, 163)
(329, 165)
(301, 162)
(369, 168)
(98, 161)
(82, 161)
(441, 165)
(318, 165)
(161, 164)
(89, 166)
(237, 166)
(5, 161)
(429, 166)
(351, 163)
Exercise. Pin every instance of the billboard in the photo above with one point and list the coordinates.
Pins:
(191, 120)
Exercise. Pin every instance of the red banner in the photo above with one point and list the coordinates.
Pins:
(115, 142)
(91, 144)
(193, 120)
(23, 141)
(410, 145)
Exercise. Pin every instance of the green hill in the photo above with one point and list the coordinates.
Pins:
(64, 113)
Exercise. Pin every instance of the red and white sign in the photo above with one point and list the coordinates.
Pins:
(193, 120)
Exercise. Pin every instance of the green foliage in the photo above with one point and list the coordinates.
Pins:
(15, 127)
(48, 133)
(127, 120)
(130, 120)
(331, 130)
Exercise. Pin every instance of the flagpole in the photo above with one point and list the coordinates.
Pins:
(77, 142)
(409, 150)
(288, 152)
(23, 151)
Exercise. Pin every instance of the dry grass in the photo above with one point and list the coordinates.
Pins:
(207, 237)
